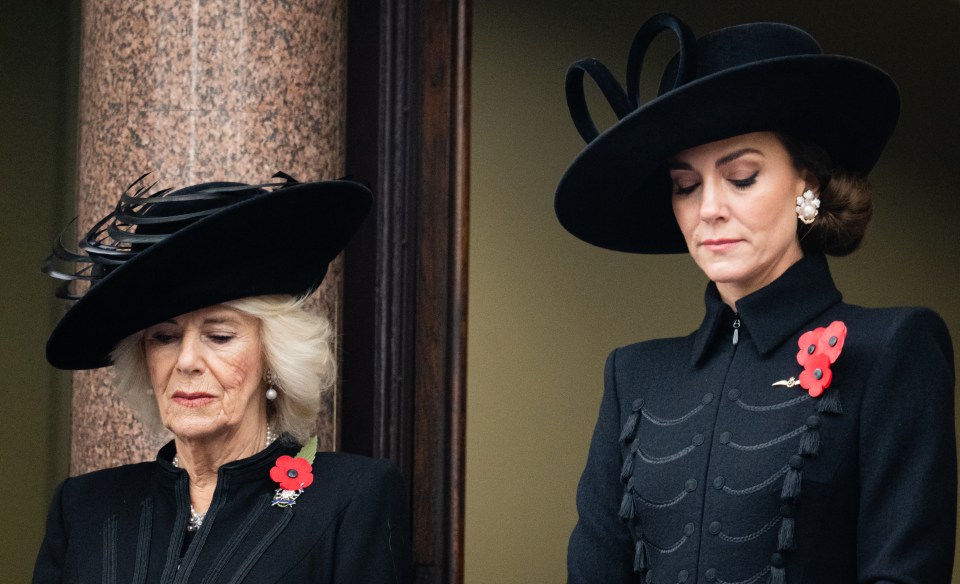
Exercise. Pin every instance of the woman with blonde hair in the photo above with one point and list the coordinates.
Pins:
(197, 298)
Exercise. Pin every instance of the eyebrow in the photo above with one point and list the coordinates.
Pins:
(725, 159)
(229, 318)
(220, 319)
(735, 155)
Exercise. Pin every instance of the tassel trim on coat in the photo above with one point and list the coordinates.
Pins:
(778, 576)
(785, 540)
(810, 443)
(640, 561)
(628, 506)
(629, 427)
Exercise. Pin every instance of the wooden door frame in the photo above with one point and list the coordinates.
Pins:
(405, 276)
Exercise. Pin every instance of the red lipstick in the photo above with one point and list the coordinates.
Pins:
(192, 399)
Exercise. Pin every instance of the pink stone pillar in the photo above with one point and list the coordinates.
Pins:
(195, 91)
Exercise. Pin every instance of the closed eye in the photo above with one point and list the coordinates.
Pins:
(745, 182)
(162, 338)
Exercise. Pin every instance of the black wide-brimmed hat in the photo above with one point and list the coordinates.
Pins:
(162, 254)
(737, 80)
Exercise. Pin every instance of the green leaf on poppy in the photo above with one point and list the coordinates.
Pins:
(309, 450)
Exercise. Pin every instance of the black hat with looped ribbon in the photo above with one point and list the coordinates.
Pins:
(748, 78)
(161, 254)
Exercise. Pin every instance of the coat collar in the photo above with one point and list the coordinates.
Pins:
(776, 311)
(252, 469)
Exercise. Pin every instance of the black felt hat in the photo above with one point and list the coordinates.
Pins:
(162, 254)
(737, 80)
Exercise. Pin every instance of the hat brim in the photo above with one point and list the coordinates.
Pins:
(614, 194)
(277, 242)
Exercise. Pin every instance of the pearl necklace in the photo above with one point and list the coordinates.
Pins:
(196, 519)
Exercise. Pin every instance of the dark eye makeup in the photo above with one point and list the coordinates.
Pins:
(678, 190)
(738, 183)
(746, 182)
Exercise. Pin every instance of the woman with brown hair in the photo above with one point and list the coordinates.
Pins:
(792, 438)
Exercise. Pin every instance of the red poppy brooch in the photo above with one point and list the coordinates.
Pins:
(293, 474)
(819, 349)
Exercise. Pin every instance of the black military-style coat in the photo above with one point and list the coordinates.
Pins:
(128, 525)
(702, 469)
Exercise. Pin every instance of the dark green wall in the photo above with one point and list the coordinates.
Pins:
(546, 308)
(37, 92)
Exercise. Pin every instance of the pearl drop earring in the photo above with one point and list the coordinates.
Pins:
(271, 380)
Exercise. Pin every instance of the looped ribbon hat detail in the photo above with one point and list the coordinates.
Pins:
(160, 254)
(748, 78)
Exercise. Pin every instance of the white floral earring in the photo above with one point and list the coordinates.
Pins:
(808, 206)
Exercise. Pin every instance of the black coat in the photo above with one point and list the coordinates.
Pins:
(127, 525)
(701, 470)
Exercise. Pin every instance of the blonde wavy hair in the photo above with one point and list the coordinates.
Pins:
(297, 346)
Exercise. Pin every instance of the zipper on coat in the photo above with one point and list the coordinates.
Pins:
(736, 329)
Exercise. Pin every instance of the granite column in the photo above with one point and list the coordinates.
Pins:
(193, 92)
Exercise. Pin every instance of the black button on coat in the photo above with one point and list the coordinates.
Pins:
(702, 470)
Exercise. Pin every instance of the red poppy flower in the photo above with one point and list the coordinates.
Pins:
(808, 343)
(822, 341)
(816, 375)
(292, 473)
(831, 340)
